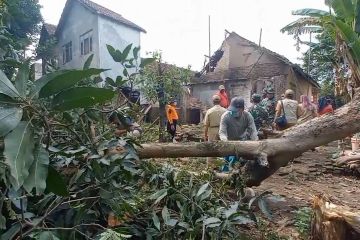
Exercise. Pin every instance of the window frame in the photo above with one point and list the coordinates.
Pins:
(86, 37)
(67, 52)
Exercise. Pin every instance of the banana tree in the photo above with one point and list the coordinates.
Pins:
(342, 24)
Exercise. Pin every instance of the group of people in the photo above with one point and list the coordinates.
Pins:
(232, 122)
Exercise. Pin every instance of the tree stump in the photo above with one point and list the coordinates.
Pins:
(332, 222)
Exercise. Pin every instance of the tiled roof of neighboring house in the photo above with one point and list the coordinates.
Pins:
(296, 67)
(100, 10)
(50, 28)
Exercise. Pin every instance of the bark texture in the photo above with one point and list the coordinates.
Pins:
(276, 152)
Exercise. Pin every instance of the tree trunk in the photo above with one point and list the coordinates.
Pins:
(331, 222)
(162, 120)
(276, 152)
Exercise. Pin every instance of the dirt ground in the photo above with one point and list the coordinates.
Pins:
(311, 174)
(295, 185)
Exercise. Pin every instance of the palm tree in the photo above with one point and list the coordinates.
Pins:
(342, 22)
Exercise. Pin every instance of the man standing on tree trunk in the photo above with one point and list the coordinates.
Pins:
(236, 125)
(172, 118)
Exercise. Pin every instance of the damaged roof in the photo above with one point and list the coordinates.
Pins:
(296, 67)
(242, 73)
(99, 10)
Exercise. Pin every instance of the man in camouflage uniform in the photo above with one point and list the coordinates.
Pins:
(269, 103)
(260, 115)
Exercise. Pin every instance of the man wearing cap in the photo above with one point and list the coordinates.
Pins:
(212, 120)
(236, 125)
(260, 115)
(269, 103)
(224, 100)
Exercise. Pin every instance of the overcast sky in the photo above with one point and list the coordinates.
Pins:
(180, 27)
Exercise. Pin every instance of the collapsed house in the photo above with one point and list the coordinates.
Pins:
(244, 68)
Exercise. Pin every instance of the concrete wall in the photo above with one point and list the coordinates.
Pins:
(235, 88)
(79, 21)
(104, 31)
(239, 52)
(204, 92)
(118, 36)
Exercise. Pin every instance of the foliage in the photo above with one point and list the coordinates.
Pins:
(162, 82)
(341, 24)
(22, 18)
(322, 58)
(303, 221)
(64, 175)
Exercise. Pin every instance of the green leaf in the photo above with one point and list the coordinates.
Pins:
(310, 12)
(165, 214)
(88, 62)
(264, 208)
(22, 77)
(6, 87)
(156, 221)
(9, 119)
(2, 218)
(239, 219)
(351, 38)
(230, 211)
(120, 81)
(125, 72)
(344, 9)
(19, 147)
(136, 52)
(11, 63)
(46, 235)
(159, 195)
(5, 99)
(67, 80)
(55, 183)
(146, 61)
(41, 82)
(38, 171)
(12, 232)
(81, 97)
(115, 54)
(202, 189)
(212, 220)
(126, 52)
(110, 81)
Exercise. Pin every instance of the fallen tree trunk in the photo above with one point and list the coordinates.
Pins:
(277, 152)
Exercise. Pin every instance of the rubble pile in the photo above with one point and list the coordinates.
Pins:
(349, 161)
(190, 133)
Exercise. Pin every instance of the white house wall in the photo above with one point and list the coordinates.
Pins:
(118, 36)
(79, 21)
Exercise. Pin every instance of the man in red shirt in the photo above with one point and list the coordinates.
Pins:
(224, 100)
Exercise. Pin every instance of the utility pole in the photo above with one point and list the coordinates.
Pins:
(260, 37)
(308, 70)
(209, 43)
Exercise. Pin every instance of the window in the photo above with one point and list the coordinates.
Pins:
(86, 43)
(67, 52)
